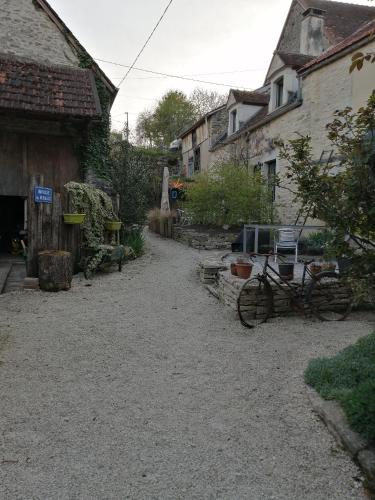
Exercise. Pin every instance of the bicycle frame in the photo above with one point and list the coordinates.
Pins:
(297, 298)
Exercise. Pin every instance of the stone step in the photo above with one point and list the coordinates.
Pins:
(15, 278)
(5, 268)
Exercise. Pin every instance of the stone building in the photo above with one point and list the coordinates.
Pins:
(197, 140)
(49, 102)
(307, 80)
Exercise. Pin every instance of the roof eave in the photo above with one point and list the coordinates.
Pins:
(334, 57)
(270, 117)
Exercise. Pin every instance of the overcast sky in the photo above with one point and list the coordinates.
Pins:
(204, 38)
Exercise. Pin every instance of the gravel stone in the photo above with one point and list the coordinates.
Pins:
(144, 386)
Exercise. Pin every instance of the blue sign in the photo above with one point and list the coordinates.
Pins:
(174, 194)
(43, 195)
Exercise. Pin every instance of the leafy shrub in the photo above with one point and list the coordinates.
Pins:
(229, 194)
(359, 406)
(349, 377)
(136, 176)
(134, 239)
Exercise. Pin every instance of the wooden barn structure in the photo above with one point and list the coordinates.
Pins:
(47, 105)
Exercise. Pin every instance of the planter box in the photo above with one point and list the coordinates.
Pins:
(113, 225)
(74, 218)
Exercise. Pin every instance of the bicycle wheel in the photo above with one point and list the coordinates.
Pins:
(329, 297)
(255, 302)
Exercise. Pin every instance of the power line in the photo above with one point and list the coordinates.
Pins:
(171, 76)
(194, 74)
(146, 42)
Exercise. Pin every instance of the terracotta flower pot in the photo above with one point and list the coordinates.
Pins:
(233, 268)
(315, 268)
(328, 266)
(244, 270)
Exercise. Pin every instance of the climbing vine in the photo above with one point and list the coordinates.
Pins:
(95, 149)
(97, 205)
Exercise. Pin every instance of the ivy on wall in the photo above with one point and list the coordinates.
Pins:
(94, 150)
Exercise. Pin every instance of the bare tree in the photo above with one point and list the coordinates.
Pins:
(205, 101)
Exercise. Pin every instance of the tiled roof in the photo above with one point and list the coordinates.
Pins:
(247, 97)
(295, 61)
(75, 44)
(365, 31)
(341, 19)
(57, 90)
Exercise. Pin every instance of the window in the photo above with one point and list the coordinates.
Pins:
(271, 176)
(233, 121)
(194, 138)
(279, 91)
(197, 160)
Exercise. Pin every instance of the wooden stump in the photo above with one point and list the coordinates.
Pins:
(55, 270)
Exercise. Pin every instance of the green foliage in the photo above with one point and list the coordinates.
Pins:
(229, 194)
(97, 205)
(163, 125)
(134, 239)
(317, 243)
(359, 59)
(94, 149)
(332, 377)
(359, 407)
(342, 194)
(349, 377)
(136, 177)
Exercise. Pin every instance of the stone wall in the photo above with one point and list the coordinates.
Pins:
(226, 287)
(218, 124)
(203, 240)
(27, 31)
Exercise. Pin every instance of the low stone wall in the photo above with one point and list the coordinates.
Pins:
(226, 287)
(203, 240)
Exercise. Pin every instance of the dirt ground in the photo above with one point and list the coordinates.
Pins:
(143, 386)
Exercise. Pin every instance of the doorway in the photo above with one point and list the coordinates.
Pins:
(12, 224)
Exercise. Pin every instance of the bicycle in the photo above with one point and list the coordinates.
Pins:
(326, 294)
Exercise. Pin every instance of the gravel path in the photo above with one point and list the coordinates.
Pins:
(143, 386)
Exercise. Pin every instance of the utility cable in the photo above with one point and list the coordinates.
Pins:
(172, 76)
(146, 43)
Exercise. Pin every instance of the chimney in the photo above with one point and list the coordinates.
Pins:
(313, 41)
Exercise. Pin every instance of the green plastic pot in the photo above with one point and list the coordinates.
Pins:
(113, 225)
(74, 218)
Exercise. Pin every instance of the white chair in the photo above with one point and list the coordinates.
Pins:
(287, 240)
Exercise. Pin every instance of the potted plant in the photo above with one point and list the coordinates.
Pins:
(233, 268)
(244, 268)
(328, 266)
(344, 264)
(74, 218)
(113, 225)
(315, 268)
(286, 271)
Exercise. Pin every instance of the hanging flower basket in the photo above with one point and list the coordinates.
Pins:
(113, 225)
(74, 218)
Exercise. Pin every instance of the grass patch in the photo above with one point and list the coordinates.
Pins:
(349, 378)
